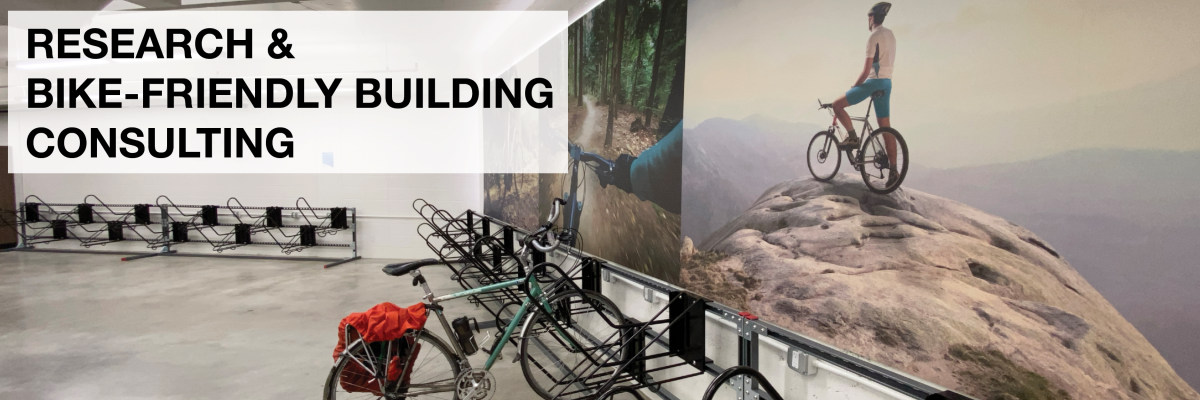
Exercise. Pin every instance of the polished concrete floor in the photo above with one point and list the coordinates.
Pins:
(76, 326)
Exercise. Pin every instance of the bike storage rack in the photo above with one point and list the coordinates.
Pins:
(166, 226)
(92, 223)
(762, 352)
(479, 255)
(476, 255)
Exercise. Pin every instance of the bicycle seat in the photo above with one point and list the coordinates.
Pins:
(401, 269)
(878, 93)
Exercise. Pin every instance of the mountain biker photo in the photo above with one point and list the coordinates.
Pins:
(1033, 130)
(876, 75)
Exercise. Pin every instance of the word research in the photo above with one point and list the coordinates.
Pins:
(184, 92)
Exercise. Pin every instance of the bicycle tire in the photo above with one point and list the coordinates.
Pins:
(827, 151)
(541, 350)
(427, 340)
(876, 138)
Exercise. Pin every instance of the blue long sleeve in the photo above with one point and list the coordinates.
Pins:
(657, 173)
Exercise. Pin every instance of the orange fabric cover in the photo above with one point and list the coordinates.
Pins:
(385, 321)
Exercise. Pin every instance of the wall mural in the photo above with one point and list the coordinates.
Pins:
(626, 63)
(1042, 245)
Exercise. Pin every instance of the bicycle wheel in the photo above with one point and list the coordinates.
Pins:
(824, 158)
(882, 171)
(432, 376)
(561, 352)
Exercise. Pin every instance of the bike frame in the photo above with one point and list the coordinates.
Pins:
(866, 131)
(535, 292)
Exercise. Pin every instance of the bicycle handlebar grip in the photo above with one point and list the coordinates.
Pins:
(554, 207)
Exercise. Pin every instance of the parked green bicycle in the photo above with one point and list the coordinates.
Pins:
(562, 325)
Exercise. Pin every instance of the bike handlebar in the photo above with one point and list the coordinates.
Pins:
(550, 237)
(554, 208)
(578, 154)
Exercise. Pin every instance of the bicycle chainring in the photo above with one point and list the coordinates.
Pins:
(475, 384)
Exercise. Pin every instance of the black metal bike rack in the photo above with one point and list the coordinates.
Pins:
(92, 223)
(166, 226)
(596, 271)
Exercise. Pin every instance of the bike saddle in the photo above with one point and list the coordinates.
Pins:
(878, 93)
(401, 269)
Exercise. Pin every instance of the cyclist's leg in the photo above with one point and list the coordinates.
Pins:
(853, 96)
(839, 109)
(883, 115)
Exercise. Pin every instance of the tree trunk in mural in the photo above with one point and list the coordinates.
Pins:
(638, 34)
(658, 50)
(673, 112)
(579, 48)
(616, 72)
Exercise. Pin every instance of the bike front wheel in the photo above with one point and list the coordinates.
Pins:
(432, 375)
(884, 160)
(824, 157)
(562, 352)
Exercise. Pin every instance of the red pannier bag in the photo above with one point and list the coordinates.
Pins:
(382, 323)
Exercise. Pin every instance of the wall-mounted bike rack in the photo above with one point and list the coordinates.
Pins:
(165, 227)
(479, 258)
(797, 353)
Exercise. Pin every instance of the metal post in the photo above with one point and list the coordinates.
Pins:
(21, 222)
(166, 228)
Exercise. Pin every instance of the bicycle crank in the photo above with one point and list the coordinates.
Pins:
(475, 384)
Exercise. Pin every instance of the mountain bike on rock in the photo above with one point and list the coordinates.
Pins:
(882, 158)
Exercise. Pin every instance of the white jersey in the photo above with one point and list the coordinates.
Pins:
(881, 48)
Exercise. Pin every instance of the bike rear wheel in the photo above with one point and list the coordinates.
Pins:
(433, 372)
(824, 157)
(884, 169)
(554, 367)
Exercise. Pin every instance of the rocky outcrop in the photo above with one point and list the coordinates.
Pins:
(929, 286)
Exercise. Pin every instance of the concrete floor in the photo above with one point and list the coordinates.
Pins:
(81, 326)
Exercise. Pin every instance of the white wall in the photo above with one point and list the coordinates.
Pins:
(386, 221)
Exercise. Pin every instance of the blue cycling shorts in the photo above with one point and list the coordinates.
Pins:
(862, 92)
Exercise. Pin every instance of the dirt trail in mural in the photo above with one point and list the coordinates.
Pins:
(616, 225)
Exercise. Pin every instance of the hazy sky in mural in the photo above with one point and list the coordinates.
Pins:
(975, 82)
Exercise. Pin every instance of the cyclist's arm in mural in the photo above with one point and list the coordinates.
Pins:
(654, 175)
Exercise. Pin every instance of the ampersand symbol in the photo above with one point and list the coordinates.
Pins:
(278, 49)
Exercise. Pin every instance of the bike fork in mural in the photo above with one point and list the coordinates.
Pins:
(574, 211)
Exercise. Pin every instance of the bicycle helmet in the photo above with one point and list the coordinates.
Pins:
(879, 11)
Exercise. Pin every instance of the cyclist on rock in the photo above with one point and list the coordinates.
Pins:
(876, 75)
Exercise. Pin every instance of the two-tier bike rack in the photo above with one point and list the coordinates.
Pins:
(165, 227)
